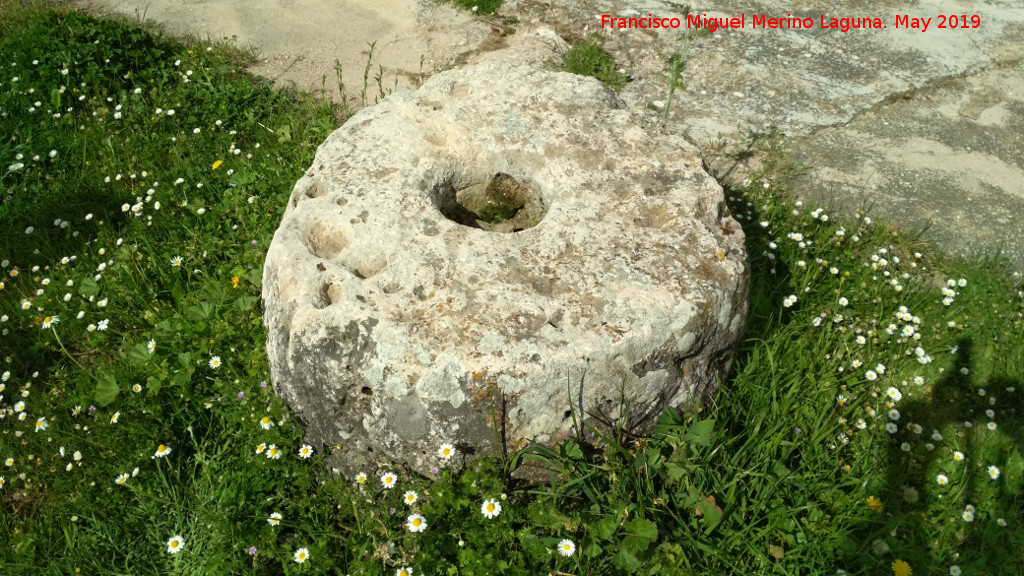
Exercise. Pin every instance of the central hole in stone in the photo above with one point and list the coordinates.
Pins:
(498, 204)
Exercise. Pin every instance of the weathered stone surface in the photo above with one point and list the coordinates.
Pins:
(907, 121)
(609, 267)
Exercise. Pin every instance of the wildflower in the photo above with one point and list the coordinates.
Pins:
(916, 428)
(234, 281)
(50, 321)
(306, 451)
(446, 451)
(958, 456)
(122, 479)
(490, 508)
(215, 362)
(993, 472)
(261, 448)
(789, 301)
(954, 570)
(403, 571)
(409, 498)
(266, 422)
(862, 341)
(301, 555)
(175, 544)
(942, 480)
(162, 451)
(936, 436)
(388, 480)
(273, 452)
(894, 394)
(999, 521)
(151, 346)
(176, 261)
(843, 302)
(875, 504)
(252, 550)
(416, 523)
(566, 547)
(894, 415)
(871, 375)
(901, 568)
(9, 462)
(891, 428)
(361, 478)
(41, 424)
(906, 447)
(275, 519)
(968, 516)
(991, 425)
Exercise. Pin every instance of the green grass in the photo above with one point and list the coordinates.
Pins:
(774, 478)
(588, 59)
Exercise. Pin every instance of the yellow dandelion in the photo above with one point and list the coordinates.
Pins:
(234, 281)
(217, 164)
(875, 504)
(901, 568)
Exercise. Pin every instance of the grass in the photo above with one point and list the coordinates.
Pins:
(588, 59)
(136, 409)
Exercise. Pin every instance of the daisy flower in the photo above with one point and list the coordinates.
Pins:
(894, 394)
(137, 388)
(176, 261)
(999, 521)
(490, 508)
(991, 425)
(416, 523)
(151, 346)
(162, 451)
(446, 451)
(113, 419)
(958, 456)
(261, 448)
(41, 424)
(891, 428)
(409, 498)
(954, 570)
(215, 362)
(266, 422)
(968, 516)
(175, 544)
(306, 451)
(566, 547)
(301, 555)
(404, 571)
(361, 478)
(122, 479)
(274, 519)
(942, 480)
(389, 479)
(273, 452)
(50, 321)
(993, 472)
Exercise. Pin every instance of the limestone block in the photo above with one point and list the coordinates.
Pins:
(507, 235)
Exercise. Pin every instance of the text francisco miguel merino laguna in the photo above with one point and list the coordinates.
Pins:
(713, 23)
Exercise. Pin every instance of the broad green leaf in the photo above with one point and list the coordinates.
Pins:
(712, 515)
(88, 288)
(106, 390)
(185, 359)
(625, 561)
(643, 529)
(700, 432)
(153, 385)
(606, 527)
(572, 450)
(592, 551)
(139, 354)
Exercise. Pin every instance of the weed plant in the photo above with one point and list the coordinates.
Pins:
(588, 59)
(871, 425)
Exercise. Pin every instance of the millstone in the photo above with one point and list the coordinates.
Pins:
(471, 261)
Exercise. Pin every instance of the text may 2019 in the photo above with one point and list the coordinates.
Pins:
(790, 22)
